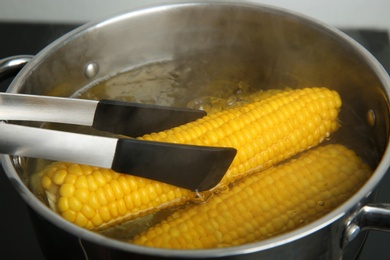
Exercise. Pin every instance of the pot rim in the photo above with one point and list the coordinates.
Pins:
(273, 242)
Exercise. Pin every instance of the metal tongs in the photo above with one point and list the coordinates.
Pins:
(192, 167)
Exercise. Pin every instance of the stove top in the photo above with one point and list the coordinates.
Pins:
(17, 238)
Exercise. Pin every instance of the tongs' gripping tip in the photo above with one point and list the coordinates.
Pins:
(135, 119)
(118, 117)
(174, 164)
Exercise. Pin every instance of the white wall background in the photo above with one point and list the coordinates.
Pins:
(342, 13)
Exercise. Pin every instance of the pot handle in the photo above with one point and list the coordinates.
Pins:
(13, 64)
(369, 217)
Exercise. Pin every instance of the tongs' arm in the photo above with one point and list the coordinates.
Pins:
(192, 167)
(188, 166)
(132, 119)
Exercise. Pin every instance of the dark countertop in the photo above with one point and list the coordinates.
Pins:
(17, 238)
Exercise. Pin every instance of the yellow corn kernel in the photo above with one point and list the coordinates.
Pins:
(264, 133)
(46, 182)
(265, 204)
(59, 176)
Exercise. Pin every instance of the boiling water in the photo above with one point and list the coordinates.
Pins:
(171, 85)
(180, 86)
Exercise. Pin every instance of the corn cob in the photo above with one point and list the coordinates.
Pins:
(264, 132)
(262, 205)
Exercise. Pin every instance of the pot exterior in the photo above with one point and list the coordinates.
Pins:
(268, 48)
(323, 244)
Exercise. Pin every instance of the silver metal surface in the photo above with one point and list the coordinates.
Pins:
(352, 231)
(91, 70)
(47, 109)
(233, 41)
(57, 145)
(14, 62)
(369, 217)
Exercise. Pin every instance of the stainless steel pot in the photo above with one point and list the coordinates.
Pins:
(266, 47)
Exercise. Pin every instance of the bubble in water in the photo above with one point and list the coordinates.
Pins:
(201, 197)
(209, 104)
(223, 188)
